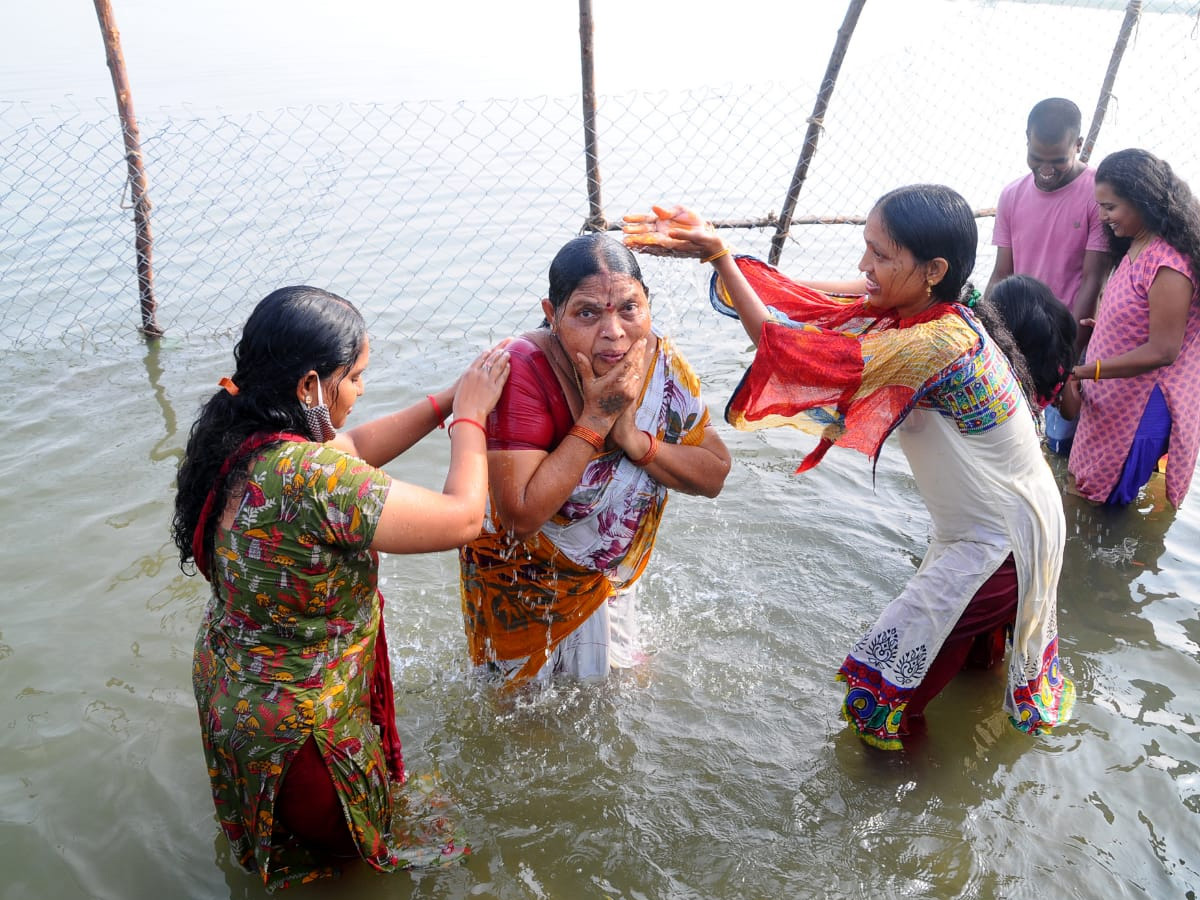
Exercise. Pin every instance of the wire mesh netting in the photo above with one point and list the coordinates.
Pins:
(439, 219)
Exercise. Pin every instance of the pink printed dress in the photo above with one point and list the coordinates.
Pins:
(1113, 407)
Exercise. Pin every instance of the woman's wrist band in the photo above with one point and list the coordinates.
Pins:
(1096, 377)
(724, 251)
(437, 411)
(651, 453)
(458, 420)
(587, 436)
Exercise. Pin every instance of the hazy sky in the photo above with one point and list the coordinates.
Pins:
(269, 53)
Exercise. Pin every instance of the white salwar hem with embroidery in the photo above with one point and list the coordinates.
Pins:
(988, 495)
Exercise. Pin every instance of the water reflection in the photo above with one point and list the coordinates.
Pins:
(1109, 564)
(166, 447)
(240, 885)
(1125, 624)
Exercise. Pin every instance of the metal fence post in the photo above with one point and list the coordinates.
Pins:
(138, 195)
(815, 123)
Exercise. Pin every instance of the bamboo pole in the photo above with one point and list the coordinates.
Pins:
(815, 123)
(596, 220)
(136, 174)
(1133, 11)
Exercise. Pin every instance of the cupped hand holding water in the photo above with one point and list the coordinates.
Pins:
(683, 232)
(671, 231)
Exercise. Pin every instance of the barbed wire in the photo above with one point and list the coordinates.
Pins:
(439, 219)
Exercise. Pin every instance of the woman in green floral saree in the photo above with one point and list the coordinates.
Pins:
(285, 517)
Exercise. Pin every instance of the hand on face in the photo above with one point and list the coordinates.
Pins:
(602, 330)
(625, 427)
(611, 395)
(671, 231)
(478, 388)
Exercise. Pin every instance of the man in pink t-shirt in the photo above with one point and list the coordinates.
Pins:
(1048, 224)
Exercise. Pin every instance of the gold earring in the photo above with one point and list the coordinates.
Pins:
(308, 400)
(928, 289)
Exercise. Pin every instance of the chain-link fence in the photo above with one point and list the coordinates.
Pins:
(439, 219)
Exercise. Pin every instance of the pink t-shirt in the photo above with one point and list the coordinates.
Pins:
(1049, 231)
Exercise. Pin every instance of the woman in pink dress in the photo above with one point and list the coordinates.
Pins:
(1138, 392)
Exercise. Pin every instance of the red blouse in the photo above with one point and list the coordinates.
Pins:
(532, 413)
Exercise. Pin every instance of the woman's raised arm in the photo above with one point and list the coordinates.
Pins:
(381, 440)
(418, 520)
(678, 231)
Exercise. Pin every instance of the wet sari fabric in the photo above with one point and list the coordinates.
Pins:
(522, 598)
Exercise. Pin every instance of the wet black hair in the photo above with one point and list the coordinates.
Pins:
(291, 331)
(931, 221)
(1054, 119)
(587, 255)
(1162, 199)
(1042, 327)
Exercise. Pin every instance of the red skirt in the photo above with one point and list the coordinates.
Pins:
(976, 641)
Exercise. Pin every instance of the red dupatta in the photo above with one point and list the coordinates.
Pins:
(837, 367)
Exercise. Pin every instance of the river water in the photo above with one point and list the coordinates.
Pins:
(717, 770)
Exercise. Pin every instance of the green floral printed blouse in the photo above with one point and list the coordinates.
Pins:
(286, 651)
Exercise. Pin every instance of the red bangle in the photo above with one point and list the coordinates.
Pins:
(651, 453)
(458, 420)
(437, 411)
(588, 436)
